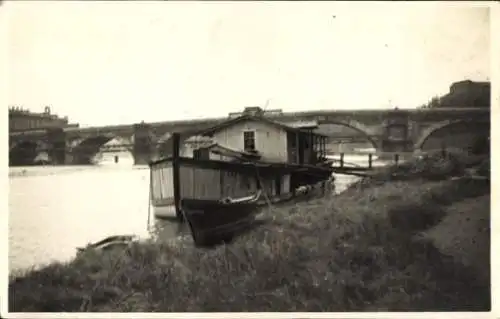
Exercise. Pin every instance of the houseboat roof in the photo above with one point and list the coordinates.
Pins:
(198, 139)
(235, 154)
(247, 117)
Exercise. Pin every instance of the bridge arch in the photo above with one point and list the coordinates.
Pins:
(164, 144)
(366, 131)
(84, 150)
(25, 152)
(430, 131)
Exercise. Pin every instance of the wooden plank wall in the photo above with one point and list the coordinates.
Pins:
(199, 183)
(212, 183)
(270, 141)
(162, 192)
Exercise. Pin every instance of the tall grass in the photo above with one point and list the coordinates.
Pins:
(359, 251)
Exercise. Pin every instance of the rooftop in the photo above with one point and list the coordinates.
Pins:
(257, 114)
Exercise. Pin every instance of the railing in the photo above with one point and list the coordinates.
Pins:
(340, 164)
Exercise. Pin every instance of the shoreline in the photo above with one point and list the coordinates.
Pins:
(379, 245)
(34, 171)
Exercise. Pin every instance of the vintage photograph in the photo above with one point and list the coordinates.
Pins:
(248, 156)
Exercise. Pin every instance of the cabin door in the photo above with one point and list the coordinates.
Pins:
(296, 145)
(302, 144)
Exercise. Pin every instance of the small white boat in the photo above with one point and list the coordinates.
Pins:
(164, 211)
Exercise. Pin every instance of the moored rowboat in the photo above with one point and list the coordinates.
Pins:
(109, 242)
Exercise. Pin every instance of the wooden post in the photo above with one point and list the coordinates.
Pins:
(297, 147)
(370, 160)
(319, 150)
(315, 147)
(221, 180)
(396, 159)
(323, 146)
(312, 160)
(277, 185)
(176, 138)
(258, 184)
(341, 160)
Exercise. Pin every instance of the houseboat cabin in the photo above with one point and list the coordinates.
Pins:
(273, 141)
(235, 159)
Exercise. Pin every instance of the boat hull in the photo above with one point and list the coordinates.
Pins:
(212, 222)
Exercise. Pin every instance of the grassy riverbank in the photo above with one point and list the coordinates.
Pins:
(395, 242)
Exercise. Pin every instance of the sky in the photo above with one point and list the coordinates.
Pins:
(104, 63)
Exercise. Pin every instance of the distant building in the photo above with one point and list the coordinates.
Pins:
(24, 120)
(467, 94)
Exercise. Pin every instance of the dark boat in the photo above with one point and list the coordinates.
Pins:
(108, 243)
(215, 221)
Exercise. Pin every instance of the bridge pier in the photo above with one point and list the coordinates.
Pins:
(56, 139)
(69, 158)
(143, 143)
(397, 135)
(25, 149)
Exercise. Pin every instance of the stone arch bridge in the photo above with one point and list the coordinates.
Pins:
(387, 130)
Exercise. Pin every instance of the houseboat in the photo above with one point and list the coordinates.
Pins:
(244, 155)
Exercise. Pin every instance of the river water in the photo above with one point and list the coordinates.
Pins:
(53, 210)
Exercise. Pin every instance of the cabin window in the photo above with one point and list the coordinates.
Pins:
(201, 154)
(196, 154)
(249, 140)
